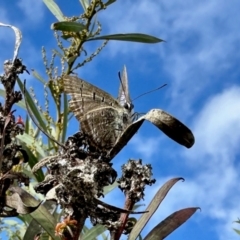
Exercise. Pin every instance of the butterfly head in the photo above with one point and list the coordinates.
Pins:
(123, 95)
(128, 106)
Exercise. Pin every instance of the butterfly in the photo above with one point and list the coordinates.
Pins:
(102, 117)
(110, 123)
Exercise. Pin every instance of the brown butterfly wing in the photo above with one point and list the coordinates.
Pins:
(86, 97)
(104, 126)
(101, 117)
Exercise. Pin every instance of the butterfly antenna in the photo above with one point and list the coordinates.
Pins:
(156, 89)
(34, 120)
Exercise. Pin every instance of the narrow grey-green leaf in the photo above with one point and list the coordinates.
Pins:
(94, 232)
(34, 228)
(53, 7)
(29, 140)
(110, 2)
(171, 126)
(85, 4)
(152, 207)
(237, 231)
(130, 37)
(18, 40)
(171, 223)
(46, 220)
(109, 188)
(68, 26)
(32, 106)
(38, 77)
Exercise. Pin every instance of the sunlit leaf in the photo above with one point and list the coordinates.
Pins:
(18, 40)
(85, 4)
(109, 188)
(53, 7)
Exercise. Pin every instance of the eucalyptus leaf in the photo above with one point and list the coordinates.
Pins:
(171, 223)
(130, 37)
(53, 7)
(85, 4)
(94, 232)
(18, 40)
(110, 2)
(38, 77)
(68, 26)
(34, 228)
(152, 207)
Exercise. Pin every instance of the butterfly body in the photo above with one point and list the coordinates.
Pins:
(102, 118)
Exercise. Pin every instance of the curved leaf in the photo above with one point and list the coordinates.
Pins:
(172, 127)
(68, 26)
(18, 41)
(171, 223)
(169, 125)
(130, 37)
(152, 207)
(21, 201)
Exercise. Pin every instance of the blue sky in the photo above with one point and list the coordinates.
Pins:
(200, 64)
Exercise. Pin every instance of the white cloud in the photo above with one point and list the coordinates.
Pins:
(144, 146)
(213, 184)
(202, 39)
(33, 11)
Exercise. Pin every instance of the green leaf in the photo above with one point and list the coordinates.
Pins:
(85, 4)
(38, 77)
(171, 223)
(39, 117)
(94, 232)
(29, 140)
(152, 207)
(46, 220)
(110, 2)
(68, 26)
(131, 37)
(237, 231)
(32, 161)
(109, 188)
(53, 7)
(34, 228)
